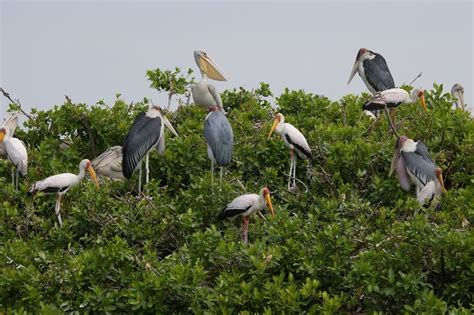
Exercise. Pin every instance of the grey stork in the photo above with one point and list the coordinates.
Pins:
(144, 135)
(294, 140)
(414, 166)
(457, 92)
(109, 163)
(219, 138)
(61, 183)
(245, 206)
(204, 93)
(373, 70)
(16, 153)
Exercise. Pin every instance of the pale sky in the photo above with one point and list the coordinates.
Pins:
(91, 50)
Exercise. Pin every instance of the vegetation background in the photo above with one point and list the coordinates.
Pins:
(348, 241)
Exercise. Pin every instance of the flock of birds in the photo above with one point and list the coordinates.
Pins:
(411, 161)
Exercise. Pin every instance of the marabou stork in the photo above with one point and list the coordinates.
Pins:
(414, 166)
(144, 135)
(109, 163)
(204, 93)
(245, 206)
(219, 138)
(61, 183)
(457, 92)
(16, 153)
(294, 140)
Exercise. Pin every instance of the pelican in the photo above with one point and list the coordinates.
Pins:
(294, 140)
(144, 135)
(414, 166)
(245, 206)
(10, 123)
(373, 70)
(61, 183)
(204, 93)
(109, 163)
(458, 93)
(219, 138)
(16, 153)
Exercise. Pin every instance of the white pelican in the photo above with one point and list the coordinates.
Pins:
(457, 92)
(144, 135)
(373, 70)
(10, 123)
(61, 183)
(204, 93)
(414, 166)
(294, 140)
(245, 206)
(219, 138)
(109, 163)
(16, 153)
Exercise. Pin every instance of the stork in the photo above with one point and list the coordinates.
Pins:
(294, 140)
(414, 166)
(245, 206)
(10, 123)
(144, 135)
(219, 138)
(16, 153)
(109, 163)
(61, 183)
(457, 92)
(204, 93)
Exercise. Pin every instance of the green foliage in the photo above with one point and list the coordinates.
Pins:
(349, 241)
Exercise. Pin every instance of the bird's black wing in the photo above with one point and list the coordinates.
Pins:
(232, 212)
(422, 150)
(220, 137)
(143, 135)
(377, 73)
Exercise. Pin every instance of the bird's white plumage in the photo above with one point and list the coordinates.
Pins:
(17, 154)
(296, 137)
(395, 96)
(254, 201)
(62, 181)
(109, 163)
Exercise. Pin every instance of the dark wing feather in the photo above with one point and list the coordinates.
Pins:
(232, 212)
(422, 169)
(142, 137)
(220, 137)
(377, 73)
(422, 150)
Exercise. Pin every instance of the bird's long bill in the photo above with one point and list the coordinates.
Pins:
(441, 181)
(275, 123)
(422, 100)
(169, 126)
(2, 135)
(94, 177)
(393, 165)
(210, 68)
(461, 100)
(354, 70)
(269, 203)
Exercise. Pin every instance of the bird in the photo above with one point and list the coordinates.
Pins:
(144, 135)
(10, 123)
(204, 93)
(414, 166)
(109, 163)
(457, 91)
(294, 140)
(219, 138)
(373, 70)
(16, 153)
(245, 206)
(61, 183)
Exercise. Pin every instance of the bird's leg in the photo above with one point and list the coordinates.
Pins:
(140, 179)
(16, 179)
(245, 230)
(294, 171)
(393, 113)
(58, 210)
(220, 181)
(291, 169)
(13, 177)
(147, 169)
(212, 173)
(390, 122)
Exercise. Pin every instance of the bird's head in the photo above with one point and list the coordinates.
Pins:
(265, 192)
(419, 94)
(279, 119)
(87, 165)
(3, 132)
(439, 176)
(458, 92)
(362, 54)
(208, 67)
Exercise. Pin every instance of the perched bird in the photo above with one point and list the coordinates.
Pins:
(373, 70)
(144, 135)
(245, 206)
(204, 93)
(414, 166)
(10, 123)
(61, 183)
(457, 92)
(219, 138)
(294, 140)
(109, 163)
(16, 153)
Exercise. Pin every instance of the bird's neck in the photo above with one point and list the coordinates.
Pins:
(279, 127)
(82, 173)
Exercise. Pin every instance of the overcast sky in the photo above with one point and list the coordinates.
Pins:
(91, 50)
